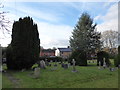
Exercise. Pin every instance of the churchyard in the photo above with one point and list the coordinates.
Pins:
(55, 76)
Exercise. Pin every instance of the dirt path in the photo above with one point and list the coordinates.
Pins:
(14, 80)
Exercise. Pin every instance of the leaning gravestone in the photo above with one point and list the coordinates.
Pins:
(119, 66)
(74, 68)
(42, 64)
(37, 72)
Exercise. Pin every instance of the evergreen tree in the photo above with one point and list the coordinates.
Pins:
(25, 44)
(85, 38)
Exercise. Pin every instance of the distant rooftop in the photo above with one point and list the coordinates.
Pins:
(65, 49)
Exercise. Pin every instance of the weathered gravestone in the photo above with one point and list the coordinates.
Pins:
(65, 66)
(74, 68)
(112, 69)
(46, 62)
(37, 72)
(99, 66)
(104, 65)
(42, 64)
(55, 67)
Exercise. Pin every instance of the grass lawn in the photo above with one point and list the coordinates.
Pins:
(86, 77)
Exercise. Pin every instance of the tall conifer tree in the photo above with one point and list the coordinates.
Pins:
(25, 44)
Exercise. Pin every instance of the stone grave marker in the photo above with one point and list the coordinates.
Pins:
(46, 62)
(99, 67)
(42, 64)
(119, 66)
(37, 72)
(65, 66)
(74, 68)
(112, 69)
(104, 65)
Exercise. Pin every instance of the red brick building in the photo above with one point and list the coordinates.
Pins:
(47, 52)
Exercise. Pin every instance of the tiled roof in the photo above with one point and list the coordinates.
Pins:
(65, 49)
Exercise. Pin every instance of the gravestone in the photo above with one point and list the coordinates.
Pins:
(68, 65)
(112, 69)
(65, 66)
(42, 64)
(62, 65)
(99, 66)
(37, 72)
(46, 62)
(104, 65)
(74, 68)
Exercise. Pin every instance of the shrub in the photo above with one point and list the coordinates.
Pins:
(54, 59)
(117, 58)
(101, 55)
(80, 57)
(25, 45)
(34, 66)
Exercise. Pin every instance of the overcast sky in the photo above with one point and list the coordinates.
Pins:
(56, 20)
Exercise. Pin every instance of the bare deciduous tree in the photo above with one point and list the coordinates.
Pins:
(110, 38)
(4, 23)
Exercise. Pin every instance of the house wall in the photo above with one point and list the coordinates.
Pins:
(65, 54)
(42, 53)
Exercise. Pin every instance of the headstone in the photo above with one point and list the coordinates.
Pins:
(37, 72)
(112, 69)
(68, 65)
(65, 66)
(74, 69)
(62, 65)
(99, 67)
(42, 64)
(51, 61)
(104, 65)
(46, 62)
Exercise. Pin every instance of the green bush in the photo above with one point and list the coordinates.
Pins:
(80, 57)
(25, 45)
(117, 58)
(34, 66)
(54, 59)
(101, 55)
